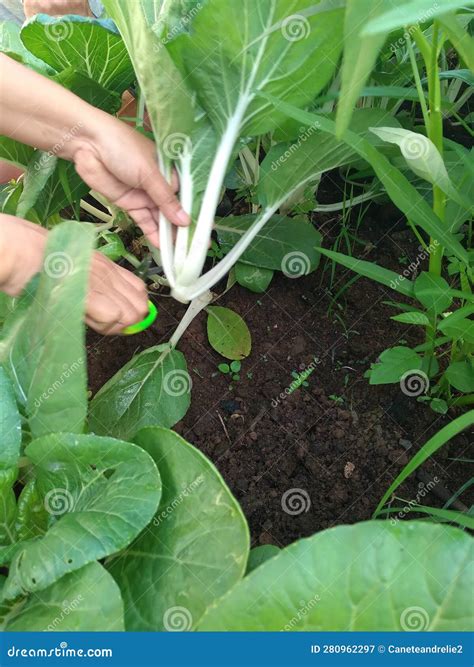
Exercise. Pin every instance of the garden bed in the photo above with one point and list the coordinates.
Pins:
(339, 440)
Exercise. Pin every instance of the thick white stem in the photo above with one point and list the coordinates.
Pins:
(186, 197)
(194, 308)
(209, 279)
(200, 243)
(166, 238)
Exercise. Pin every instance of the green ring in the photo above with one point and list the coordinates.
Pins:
(144, 324)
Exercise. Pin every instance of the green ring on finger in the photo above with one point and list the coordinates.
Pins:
(144, 324)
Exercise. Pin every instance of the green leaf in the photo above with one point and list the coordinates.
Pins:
(260, 555)
(227, 332)
(404, 195)
(283, 244)
(412, 317)
(88, 600)
(45, 356)
(394, 364)
(91, 46)
(195, 549)
(433, 292)
(461, 375)
(372, 271)
(113, 248)
(153, 389)
(89, 90)
(457, 328)
(10, 424)
(268, 46)
(15, 152)
(360, 53)
(254, 278)
(100, 493)
(168, 101)
(32, 517)
(12, 46)
(224, 368)
(390, 583)
(38, 171)
(460, 38)
(7, 506)
(420, 153)
(429, 448)
(439, 406)
(235, 366)
(397, 15)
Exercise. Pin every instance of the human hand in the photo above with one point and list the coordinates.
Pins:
(56, 7)
(116, 298)
(120, 163)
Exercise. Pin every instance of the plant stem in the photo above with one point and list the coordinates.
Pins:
(194, 308)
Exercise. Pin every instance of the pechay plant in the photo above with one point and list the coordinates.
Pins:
(215, 80)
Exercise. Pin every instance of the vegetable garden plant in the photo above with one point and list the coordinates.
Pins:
(102, 504)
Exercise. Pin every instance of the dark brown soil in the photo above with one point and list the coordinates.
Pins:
(338, 441)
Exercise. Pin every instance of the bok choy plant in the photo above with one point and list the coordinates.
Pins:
(203, 91)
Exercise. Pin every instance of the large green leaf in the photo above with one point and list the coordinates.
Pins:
(404, 195)
(10, 424)
(289, 48)
(12, 46)
(91, 46)
(433, 292)
(153, 389)
(168, 100)
(195, 549)
(276, 246)
(100, 493)
(87, 600)
(372, 576)
(399, 14)
(10, 439)
(44, 355)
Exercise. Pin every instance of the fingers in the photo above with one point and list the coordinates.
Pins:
(163, 195)
(116, 298)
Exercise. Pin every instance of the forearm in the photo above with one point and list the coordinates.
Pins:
(43, 114)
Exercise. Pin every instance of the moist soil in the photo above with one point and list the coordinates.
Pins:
(329, 450)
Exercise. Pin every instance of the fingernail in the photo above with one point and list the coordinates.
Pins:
(183, 217)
